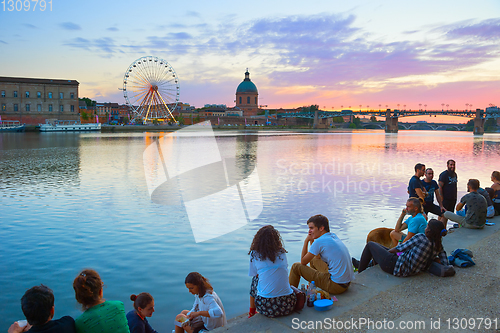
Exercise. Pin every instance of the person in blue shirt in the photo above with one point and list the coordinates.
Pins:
(415, 224)
(144, 306)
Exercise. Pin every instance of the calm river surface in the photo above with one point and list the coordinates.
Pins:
(72, 201)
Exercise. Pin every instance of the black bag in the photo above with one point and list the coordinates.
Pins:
(301, 298)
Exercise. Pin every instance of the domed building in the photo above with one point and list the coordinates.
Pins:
(247, 96)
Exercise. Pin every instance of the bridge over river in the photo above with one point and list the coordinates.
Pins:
(392, 116)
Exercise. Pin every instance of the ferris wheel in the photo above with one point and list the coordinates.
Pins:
(151, 89)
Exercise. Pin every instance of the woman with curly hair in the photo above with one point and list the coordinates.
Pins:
(270, 292)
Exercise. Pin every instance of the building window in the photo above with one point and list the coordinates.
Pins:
(72, 95)
(27, 94)
(72, 107)
(61, 108)
(28, 107)
(50, 107)
(50, 95)
(255, 100)
(240, 99)
(61, 95)
(16, 107)
(39, 107)
(248, 99)
(4, 107)
(3, 93)
(38, 94)
(15, 93)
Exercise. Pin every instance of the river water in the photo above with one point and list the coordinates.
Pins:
(70, 201)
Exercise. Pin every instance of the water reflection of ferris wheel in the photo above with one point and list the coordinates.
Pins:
(151, 89)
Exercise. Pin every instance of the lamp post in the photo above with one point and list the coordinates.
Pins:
(442, 106)
(420, 107)
(466, 106)
(379, 106)
(425, 106)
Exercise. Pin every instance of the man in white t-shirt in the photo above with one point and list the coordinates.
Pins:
(331, 266)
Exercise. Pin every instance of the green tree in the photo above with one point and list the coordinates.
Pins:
(470, 125)
(352, 125)
(490, 124)
(84, 115)
(88, 101)
(180, 119)
(338, 119)
(373, 119)
(197, 119)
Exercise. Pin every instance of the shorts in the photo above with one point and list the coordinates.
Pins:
(432, 208)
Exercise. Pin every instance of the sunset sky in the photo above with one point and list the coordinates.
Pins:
(331, 53)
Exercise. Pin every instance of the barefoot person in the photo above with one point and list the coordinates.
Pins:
(331, 266)
(270, 291)
(207, 312)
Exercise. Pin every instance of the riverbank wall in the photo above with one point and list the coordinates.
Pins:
(380, 302)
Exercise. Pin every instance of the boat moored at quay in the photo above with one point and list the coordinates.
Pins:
(11, 126)
(68, 126)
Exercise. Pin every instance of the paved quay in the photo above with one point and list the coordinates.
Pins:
(466, 302)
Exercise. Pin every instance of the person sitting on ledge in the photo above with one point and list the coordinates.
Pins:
(270, 292)
(207, 313)
(100, 315)
(495, 178)
(408, 258)
(37, 304)
(475, 215)
(487, 194)
(331, 266)
(416, 223)
(144, 306)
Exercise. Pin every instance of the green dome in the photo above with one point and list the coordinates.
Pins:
(247, 85)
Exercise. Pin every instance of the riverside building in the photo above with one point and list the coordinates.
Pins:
(31, 101)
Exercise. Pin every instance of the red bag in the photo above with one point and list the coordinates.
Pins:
(301, 298)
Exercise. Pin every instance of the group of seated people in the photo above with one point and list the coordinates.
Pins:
(330, 267)
(103, 316)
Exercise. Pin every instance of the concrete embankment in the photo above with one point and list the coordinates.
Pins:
(377, 301)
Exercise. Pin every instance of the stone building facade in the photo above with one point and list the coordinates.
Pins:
(31, 101)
